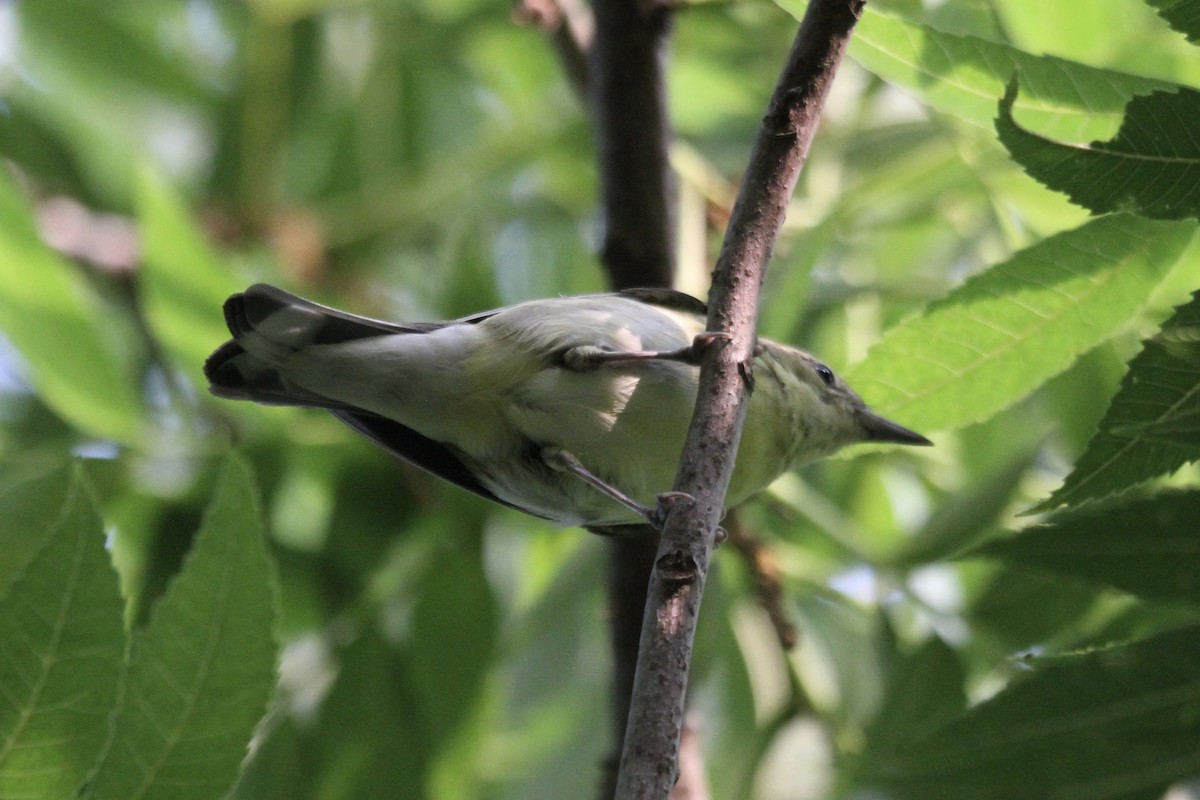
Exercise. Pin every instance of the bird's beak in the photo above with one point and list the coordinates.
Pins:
(878, 429)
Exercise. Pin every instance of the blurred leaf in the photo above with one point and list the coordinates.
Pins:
(54, 318)
(842, 657)
(32, 144)
(114, 85)
(1118, 723)
(370, 740)
(1003, 612)
(63, 643)
(737, 666)
(203, 669)
(1152, 167)
(102, 42)
(1006, 331)
(1182, 15)
(924, 692)
(184, 283)
(456, 617)
(279, 768)
(1147, 546)
(961, 76)
(963, 518)
(1152, 426)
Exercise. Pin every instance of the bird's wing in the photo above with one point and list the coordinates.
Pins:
(247, 309)
(293, 322)
(667, 298)
(419, 450)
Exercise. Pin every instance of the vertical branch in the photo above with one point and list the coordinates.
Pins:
(648, 762)
(627, 99)
(628, 104)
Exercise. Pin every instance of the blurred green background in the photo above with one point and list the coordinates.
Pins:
(425, 159)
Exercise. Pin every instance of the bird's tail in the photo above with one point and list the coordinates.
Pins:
(268, 326)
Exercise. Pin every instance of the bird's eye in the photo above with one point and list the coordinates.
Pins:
(826, 374)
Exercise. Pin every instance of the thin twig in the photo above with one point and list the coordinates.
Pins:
(764, 571)
(570, 26)
(649, 761)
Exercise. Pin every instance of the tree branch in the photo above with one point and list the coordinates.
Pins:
(627, 100)
(648, 762)
(628, 103)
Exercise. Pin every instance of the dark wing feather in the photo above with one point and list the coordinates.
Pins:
(429, 455)
(667, 298)
(249, 308)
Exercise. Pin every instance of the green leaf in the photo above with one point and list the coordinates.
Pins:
(56, 322)
(1004, 332)
(1151, 168)
(184, 283)
(370, 743)
(1114, 723)
(1152, 426)
(32, 497)
(965, 517)
(924, 692)
(448, 686)
(203, 669)
(962, 75)
(63, 643)
(1146, 546)
(1182, 15)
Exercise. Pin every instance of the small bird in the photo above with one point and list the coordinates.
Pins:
(572, 409)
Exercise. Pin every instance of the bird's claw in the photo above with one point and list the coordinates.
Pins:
(657, 516)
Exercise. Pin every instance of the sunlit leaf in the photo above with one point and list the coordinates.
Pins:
(1107, 724)
(1152, 426)
(55, 319)
(963, 75)
(1152, 167)
(63, 643)
(203, 669)
(1006, 331)
(1147, 546)
(1182, 15)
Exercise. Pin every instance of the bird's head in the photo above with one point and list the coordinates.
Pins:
(825, 411)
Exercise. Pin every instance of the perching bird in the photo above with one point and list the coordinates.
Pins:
(572, 409)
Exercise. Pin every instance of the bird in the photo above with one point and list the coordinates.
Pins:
(572, 409)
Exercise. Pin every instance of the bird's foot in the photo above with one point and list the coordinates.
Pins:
(585, 358)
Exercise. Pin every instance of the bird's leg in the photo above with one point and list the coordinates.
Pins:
(585, 358)
(564, 461)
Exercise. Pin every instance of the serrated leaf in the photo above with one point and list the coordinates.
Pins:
(1152, 426)
(203, 669)
(1151, 167)
(1118, 723)
(54, 318)
(1004, 332)
(962, 75)
(184, 283)
(1181, 15)
(63, 643)
(1147, 546)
